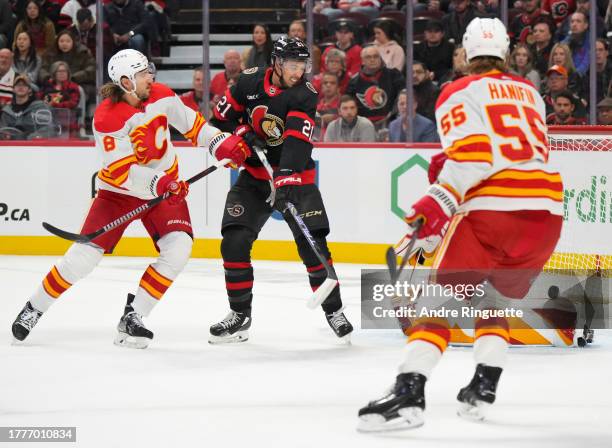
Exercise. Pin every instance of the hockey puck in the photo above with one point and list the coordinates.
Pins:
(581, 342)
(553, 292)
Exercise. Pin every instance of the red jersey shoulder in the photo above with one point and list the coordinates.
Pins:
(464, 82)
(110, 117)
(159, 91)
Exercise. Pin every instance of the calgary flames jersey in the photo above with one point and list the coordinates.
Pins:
(135, 142)
(492, 128)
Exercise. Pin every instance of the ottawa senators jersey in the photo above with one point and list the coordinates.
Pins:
(282, 118)
(492, 128)
(376, 94)
(135, 142)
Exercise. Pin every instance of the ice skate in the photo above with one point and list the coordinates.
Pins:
(233, 328)
(131, 331)
(477, 396)
(25, 321)
(401, 408)
(340, 325)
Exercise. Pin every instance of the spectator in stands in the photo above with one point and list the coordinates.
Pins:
(459, 67)
(579, 41)
(521, 63)
(79, 59)
(368, 7)
(27, 114)
(563, 110)
(61, 93)
(25, 59)
(68, 13)
(603, 67)
(542, 45)
(456, 21)
(559, 10)
(345, 41)
(520, 30)
(604, 112)
(436, 50)
(193, 98)
(128, 23)
(584, 6)
(557, 82)
(329, 102)
(40, 28)
(335, 61)
(388, 45)
(350, 127)
(424, 130)
(7, 24)
(7, 77)
(85, 33)
(226, 78)
(297, 28)
(425, 90)
(376, 86)
(562, 55)
(159, 15)
(260, 53)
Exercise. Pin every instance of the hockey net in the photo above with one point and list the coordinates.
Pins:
(583, 155)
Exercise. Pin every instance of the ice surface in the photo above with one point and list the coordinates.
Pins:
(291, 385)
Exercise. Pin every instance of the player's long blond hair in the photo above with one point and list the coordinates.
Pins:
(484, 64)
(112, 91)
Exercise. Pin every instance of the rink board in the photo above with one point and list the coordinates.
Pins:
(366, 190)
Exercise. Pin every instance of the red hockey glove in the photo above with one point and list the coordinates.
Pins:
(228, 146)
(435, 209)
(178, 189)
(435, 166)
(285, 183)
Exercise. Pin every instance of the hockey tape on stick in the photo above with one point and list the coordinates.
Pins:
(326, 288)
(78, 238)
(391, 257)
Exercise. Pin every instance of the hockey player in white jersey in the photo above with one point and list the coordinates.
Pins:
(499, 209)
(131, 129)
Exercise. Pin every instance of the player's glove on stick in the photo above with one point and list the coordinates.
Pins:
(435, 166)
(286, 182)
(163, 183)
(435, 209)
(228, 146)
(249, 136)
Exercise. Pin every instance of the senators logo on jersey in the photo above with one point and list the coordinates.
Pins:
(373, 98)
(149, 139)
(268, 126)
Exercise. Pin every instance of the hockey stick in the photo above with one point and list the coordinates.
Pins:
(391, 257)
(328, 285)
(78, 238)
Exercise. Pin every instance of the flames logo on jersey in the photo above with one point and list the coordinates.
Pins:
(268, 126)
(149, 140)
(373, 98)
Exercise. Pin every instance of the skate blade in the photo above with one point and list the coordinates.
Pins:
(125, 340)
(409, 418)
(239, 336)
(345, 340)
(475, 413)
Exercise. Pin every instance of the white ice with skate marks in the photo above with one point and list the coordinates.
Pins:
(291, 385)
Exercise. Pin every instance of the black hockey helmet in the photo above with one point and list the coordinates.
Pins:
(286, 48)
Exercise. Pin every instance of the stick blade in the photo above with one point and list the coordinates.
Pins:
(76, 237)
(391, 258)
(322, 293)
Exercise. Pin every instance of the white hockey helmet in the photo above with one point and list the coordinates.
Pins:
(126, 63)
(486, 37)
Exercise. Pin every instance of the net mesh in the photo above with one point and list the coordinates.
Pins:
(570, 256)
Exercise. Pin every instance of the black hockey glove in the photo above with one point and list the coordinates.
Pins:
(286, 182)
(249, 136)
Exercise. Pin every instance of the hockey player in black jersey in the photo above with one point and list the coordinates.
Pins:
(274, 109)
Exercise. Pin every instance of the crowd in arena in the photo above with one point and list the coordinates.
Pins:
(47, 53)
(48, 59)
